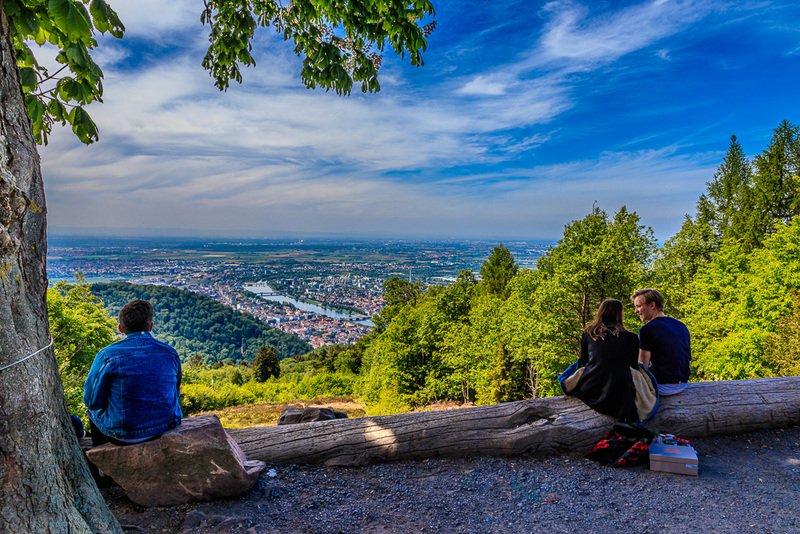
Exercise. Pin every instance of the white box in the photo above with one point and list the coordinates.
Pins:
(673, 457)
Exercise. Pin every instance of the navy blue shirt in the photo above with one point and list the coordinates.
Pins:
(668, 342)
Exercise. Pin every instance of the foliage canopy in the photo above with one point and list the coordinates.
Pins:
(196, 324)
(69, 26)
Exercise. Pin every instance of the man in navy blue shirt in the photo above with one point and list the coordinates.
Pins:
(664, 343)
(133, 386)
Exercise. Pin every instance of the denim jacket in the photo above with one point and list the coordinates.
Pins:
(133, 386)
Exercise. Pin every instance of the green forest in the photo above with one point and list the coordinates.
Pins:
(732, 274)
(196, 324)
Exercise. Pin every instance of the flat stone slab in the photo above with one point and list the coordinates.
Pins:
(197, 461)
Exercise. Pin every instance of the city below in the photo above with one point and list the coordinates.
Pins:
(324, 292)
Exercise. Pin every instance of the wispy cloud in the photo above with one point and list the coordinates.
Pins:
(572, 34)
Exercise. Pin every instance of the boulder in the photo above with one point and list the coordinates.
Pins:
(293, 416)
(197, 461)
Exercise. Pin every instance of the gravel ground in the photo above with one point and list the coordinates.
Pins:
(747, 483)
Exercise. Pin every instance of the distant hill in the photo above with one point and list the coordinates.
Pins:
(195, 323)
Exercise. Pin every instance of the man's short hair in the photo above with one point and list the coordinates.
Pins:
(136, 316)
(650, 295)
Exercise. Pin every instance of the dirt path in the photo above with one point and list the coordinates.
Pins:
(748, 483)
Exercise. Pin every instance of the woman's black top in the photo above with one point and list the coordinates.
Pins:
(606, 384)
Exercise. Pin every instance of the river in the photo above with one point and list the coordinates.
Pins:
(266, 292)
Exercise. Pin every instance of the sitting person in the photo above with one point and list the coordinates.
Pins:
(607, 376)
(132, 388)
(664, 343)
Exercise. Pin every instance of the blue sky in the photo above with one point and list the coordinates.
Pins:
(525, 114)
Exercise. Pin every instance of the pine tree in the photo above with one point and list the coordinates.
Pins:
(267, 364)
(776, 182)
(723, 207)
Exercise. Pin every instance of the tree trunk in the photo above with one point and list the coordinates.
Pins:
(45, 485)
(534, 427)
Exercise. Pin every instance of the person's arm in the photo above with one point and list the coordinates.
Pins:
(583, 360)
(94, 389)
(644, 358)
(180, 376)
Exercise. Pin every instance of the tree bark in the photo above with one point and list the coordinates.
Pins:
(45, 485)
(534, 427)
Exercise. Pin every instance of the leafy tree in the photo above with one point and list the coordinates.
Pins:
(339, 358)
(267, 364)
(498, 270)
(324, 361)
(69, 26)
(45, 484)
(720, 214)
(455, 301)
(397, 294)
(340, 43)
(741, 205)
(597, 258)
(505, 380)
(741, 303)
(402, 359)
(80, 328)
(783, 346)
(679, 259)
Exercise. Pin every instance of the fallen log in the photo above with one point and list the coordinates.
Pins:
(533, 427)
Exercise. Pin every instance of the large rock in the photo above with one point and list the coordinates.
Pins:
(197, 461)
(293, 416)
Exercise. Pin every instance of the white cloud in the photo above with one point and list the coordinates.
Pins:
(157, 20)
(571, 34)
(482, 85)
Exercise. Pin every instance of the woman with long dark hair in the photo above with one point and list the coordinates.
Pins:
(602, 375)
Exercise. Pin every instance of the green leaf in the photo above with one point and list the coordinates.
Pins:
(35, 109)
(71, 18)
(57, 110)
(106, 19)
(77, 55)
(28, 78)
(41, 37)
(82, 125)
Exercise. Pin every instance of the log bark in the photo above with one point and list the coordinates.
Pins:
(45, 485)
(533, 427)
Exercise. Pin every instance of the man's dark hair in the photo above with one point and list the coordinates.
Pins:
(136, 316)
(650, 295)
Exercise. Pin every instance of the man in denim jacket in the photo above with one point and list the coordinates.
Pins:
(133, 385)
